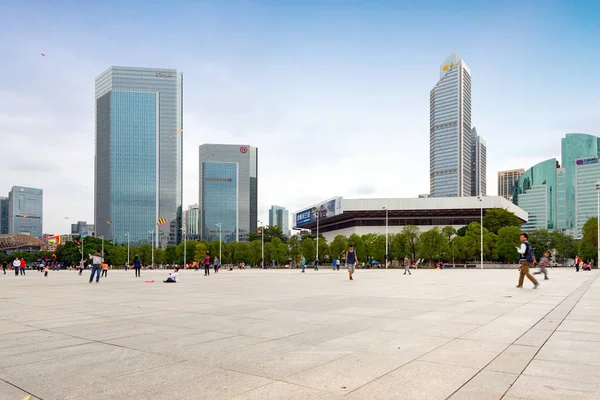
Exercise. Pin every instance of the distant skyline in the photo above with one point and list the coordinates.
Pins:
(335, 94)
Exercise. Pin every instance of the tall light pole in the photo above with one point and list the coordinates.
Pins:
(598, 240)
(481, 227)
(183, 231)
(317, 236)
(152, 233)
(262, 231)
(386, 237)
(127, 249)
(220, 226)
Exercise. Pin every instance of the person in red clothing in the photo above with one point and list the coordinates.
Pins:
(23, 265)
(207, 264)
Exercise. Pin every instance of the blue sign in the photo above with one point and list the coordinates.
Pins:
(304, 217)
(588, 160)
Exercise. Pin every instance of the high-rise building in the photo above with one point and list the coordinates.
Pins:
(562, 198)
(3, 215)
(192, 222)
(139, 161)
(228, 191)
(479, 164)
(280, 216)
(83, 228)
(450, 130)
(506, 182)
(25, 211)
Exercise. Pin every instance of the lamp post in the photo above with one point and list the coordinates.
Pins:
(598, 240)
(183, 231)
(220, 226)
(480, 198)
(127, 234)
(262, 232)
(317, 236)
(386, 237)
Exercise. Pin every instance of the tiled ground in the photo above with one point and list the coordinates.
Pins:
(453, 334)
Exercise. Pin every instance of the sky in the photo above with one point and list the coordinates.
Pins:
(334, 93)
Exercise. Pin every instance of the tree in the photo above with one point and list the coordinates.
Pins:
(449, 234)
(497, 218)
(564, 246)
(473, 239)
(255, 251)
(431, 244)
(588, 246)
(242, 252)
(541, 241)
(399, 247)
(279, 251)
(359, 246)
(338, 246)
(507, 243)
(145, 254)
(308, 248)
(200, 249)
(294, 247)
(271, 232)
(489, 245)
(189, 247)
(412, 235)
(171, 255)
(159, 256)
(230, 250)
(323, 248)
(118, 255)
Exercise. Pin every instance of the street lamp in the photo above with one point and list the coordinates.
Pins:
(480, 198)
(598, 238)
(183, 231)
(317, 236)
(262, 231)
(220, 226)
(127, 234)
(386, 237)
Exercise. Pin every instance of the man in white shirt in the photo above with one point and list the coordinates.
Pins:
(16, 266)
(97, 261)
(526, 257)
(173, 276)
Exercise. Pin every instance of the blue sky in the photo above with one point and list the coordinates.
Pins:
(334, 93)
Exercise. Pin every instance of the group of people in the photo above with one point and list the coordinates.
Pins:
(580, 264)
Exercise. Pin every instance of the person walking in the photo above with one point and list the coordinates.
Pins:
(4, 265)
(543, 264)
(105, 269)
(81, 266)
(406, 265)
(16, 266)
(22, 266)
(207, 264)
(303, 262)
(137, 266)
(97, 261)
(351, 261)
(216, 264)
(525, 259)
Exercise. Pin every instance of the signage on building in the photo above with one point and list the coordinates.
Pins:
(243, 149)
(587, 160)
(322, 210)
(164, 75)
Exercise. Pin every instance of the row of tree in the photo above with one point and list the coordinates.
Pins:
(501, 231)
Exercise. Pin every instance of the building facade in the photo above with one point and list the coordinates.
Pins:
(535, 192)
(228, 198)
(478, 164)
(83, 228)
(192, 222)
(450, 166)
(139, 155)
(26, 211)
(506, 182)
(587, 174)
(3, 215)
(280, 216)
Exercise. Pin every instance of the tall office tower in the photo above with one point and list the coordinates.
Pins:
(192, 222)
(228, 191)
(139, 155)
(3, 215)
(280, 216)
(506, 182)
(478, 164)
(450, 130)
(25, 211)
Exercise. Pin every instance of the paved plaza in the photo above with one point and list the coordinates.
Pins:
(452, 334)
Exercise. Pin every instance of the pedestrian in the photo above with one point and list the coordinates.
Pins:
(333, 264)
(16, 266)
(173, 276)
(105, 269)
(317, 264)
(22, 266)
(207, 264)
(407, 265)
(4, 265)
(577, 263)
(81, 265)
(216, 264)
(525, 259)
(126, 266)
(137, 266)
(543, 264)
(351, 261)
(41, 266)
(46, 269)
(303, 262)
(97, 261)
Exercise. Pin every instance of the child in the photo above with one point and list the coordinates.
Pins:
(46, 271)
(104, 269)
(173, 276)
(543, 264)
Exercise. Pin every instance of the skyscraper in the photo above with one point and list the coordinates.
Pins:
(228, 191)
(25, 211)
(3, 215)
(192, 222)
(139, 146)
(450, 130)
(479, 164)
(506, 182)
(280, 216)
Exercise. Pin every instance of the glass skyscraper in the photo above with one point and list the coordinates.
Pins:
(450, 165)
(192, 222)
(478, 164)
(587, 174)
(25, 211)
(228, 191)
(3, 215)
(506, 182)
(280, 216)
(139, 154)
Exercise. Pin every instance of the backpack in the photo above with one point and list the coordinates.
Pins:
(528, 252)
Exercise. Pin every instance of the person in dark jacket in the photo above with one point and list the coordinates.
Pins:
(137, 266)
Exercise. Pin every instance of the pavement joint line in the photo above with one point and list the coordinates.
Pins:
(20, 388)
(587, 282)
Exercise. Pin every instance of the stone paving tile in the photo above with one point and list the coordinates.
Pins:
(537, 388)
(465, 353)
(513, 359)
(486, 385)
(283, 390)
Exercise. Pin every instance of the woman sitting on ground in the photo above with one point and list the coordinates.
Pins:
(173, 276)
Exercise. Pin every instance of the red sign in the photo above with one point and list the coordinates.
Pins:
(243, 149)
